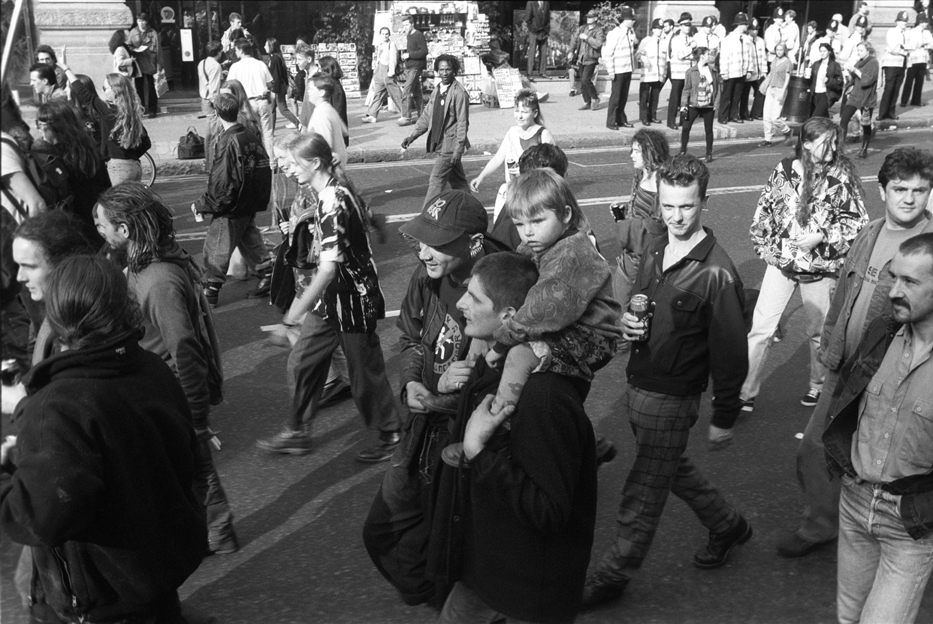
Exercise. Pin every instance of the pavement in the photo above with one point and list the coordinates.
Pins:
(572, 128)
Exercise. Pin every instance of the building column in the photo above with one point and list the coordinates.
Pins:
(81, 29)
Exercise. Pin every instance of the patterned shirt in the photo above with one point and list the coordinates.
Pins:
(836, 210)
(354, 299)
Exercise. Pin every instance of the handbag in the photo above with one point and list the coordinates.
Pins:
(161, 83)
(191, 145)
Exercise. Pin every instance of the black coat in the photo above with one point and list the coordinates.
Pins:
(102, 489)
(516, 524)
(834, 81)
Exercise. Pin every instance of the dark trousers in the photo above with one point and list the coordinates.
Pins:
(537, 47)
(648, 93)
(758, 105)
(398, 526)
(588, 83)
(145, 89)
(309, 363)
(615, 114)
(692, 114)
(673, 104)
(661, 424)
(893, 77)
(819, 105)
(730, 100)
(916, 74)
(412, 98)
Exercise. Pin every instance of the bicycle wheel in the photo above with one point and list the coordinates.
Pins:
(149, 169)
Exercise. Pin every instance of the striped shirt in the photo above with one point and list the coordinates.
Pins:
(619, 50)
(733, 60)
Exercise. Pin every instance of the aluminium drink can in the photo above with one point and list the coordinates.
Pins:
(638, 305)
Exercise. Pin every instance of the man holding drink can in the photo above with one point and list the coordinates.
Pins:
(690, 293)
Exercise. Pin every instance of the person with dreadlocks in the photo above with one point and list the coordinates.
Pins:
(808, 214)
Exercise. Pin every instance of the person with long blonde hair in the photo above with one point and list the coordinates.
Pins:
(808, 214)
(121, 136)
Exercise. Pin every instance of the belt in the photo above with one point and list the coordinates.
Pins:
(258, 97)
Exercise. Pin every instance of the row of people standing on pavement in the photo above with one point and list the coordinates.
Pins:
(740, 67)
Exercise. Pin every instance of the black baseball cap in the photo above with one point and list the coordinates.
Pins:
(446, 218)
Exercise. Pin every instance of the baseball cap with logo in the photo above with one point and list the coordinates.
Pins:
(446, 218)
(901, 17)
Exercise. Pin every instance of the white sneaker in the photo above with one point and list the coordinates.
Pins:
(290, 125)
(369, 119)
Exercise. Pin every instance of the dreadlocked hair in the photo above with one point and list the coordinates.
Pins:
(146, 218)
(128, 127)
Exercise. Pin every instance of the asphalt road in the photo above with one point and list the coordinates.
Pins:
(299, 518)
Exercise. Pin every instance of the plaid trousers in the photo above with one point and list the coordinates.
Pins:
(661, 424)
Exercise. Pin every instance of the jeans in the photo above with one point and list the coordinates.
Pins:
(820, 519)
(264, 112)
(776, 291)
(281, 104)
(225, 234)
(893, 77)
(673, 104)
(615, 113)
(412, 99)
(916, 74)
(309, 363)
(445, 173)
(648, 93)
(539, 47)
(661, 424)
(882, 570)
(588, 83)
(145, 89)
(398, 526)
(384, 86)
(464, 606)
(692, 113)
(207, 487)
(771, 117)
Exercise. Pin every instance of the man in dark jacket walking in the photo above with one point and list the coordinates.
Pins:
(514, 521)
(415, 56)
(238, 186)
(163, 279)
(449, 235)
(446, 119)
(697, 329)
(538, 19)
(100, 485)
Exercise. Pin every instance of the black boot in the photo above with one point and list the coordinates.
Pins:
(866, 139)
(709, 156)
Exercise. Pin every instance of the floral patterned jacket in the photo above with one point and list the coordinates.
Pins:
(837, 210)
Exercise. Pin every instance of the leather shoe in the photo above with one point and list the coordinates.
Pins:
(382, 451)
(765, 144)
(736, 121)
(626, 125)
(612, 126)
(716, 552)
(646, 123)
(794, 546)
(262, 289)
(672, 126)
(597, 592)
(653, 120)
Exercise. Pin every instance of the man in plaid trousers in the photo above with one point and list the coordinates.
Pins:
(697, 328)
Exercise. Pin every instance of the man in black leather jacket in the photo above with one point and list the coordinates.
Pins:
(697, 328)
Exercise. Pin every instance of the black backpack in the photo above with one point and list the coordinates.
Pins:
(49, 174)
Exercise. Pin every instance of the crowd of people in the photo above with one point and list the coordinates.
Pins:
(487, 509)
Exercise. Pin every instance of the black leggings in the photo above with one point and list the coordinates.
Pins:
(846, 115)
(692, 113)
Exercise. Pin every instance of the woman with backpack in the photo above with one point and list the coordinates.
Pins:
(279, 82)
(122, 138)
(83, 176)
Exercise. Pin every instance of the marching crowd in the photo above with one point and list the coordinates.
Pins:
(487, 509)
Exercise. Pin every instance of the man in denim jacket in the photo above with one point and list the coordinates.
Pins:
(861, 296)
(880, 441)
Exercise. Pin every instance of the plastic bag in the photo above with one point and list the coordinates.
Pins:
(161, 83)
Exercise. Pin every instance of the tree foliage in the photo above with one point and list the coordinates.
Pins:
(19, 54)
(347, 22)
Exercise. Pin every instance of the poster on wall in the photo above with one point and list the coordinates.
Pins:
(187, 45)
(564, 27)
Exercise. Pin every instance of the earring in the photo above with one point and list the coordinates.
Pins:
(476, 247)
